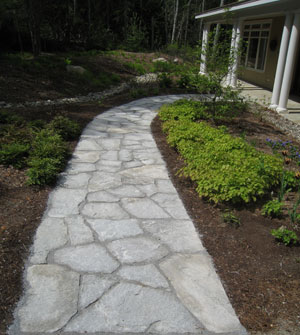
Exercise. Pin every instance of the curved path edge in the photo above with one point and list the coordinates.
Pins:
(116, 252)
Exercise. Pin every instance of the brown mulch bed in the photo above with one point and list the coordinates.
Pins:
(260, 276)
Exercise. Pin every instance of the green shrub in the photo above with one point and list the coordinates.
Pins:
(48, 144)
(225, 168)
(184, 109)
(66, 128)
(231, 218)
(13, 133)
(10, 118)
(136, 67)
(43, 171)
(164, 67)
(285, 236)
(14, 154)
(165, 80)
(37, 124)
(272, 208)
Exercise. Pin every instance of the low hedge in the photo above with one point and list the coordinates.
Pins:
(224, 167)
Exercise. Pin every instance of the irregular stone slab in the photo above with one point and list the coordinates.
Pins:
(148, 189)
(128, 191)
(178, 235)
(102, 196)
(74, 181)
(132, 164)
(112, 230)
(149, 144)
(145, 274)
(43, 244)
(165, 186)
(74, 168)
(79, 232)
(143, 208)
(90, 132)
(118, 130)
(103, 181)
(51, 299)
(148, 156)
(129, 308)
(125, 155)
(87, 144)
(104, 211)
(63, 202)
(145, 174)
(110, 144)
(199, 288)
(138, 137)
(86, 258)
(86, 156)
(110, 155)
(171, 204)
(137, 249)
(92, 288)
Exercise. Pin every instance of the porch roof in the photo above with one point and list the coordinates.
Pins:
(251, 8)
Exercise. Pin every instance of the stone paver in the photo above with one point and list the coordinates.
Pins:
(116, 251)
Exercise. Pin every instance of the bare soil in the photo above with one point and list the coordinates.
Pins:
(261, 276)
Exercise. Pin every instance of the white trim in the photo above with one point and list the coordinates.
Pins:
(261, 22)
(236, 8)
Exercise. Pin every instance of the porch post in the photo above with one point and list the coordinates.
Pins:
(290, 63)
(204, 47)
(233, 79)
(232, 50)
(281, 60)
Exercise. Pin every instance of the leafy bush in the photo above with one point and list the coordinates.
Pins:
(272, 208)
(167, 67)
(197, 110)
(183, 109)
(231, 218)
(37, 124)
(165, 80)
(225, 168)
(43, 171)
(48, 144)
(136, 67)
(8, 117)
(14, 154)
(66, 128)
(285, 236)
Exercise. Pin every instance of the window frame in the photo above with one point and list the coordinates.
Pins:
(260, 37)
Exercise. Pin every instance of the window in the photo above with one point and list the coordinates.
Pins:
(255, 45)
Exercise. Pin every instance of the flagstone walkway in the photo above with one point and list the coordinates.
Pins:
(116, 251)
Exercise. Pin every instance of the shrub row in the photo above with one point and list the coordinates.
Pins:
(224, 167)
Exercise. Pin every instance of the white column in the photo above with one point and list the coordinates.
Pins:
(281, 60)
(289, 66)
(204, 49)
(232, 48)
(233, 79)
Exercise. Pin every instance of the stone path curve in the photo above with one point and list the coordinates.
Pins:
(116, 251)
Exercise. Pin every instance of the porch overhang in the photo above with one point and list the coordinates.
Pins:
(250, 8)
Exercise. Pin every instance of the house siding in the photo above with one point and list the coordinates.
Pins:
(266, 78)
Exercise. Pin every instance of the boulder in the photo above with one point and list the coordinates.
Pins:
(76, 69)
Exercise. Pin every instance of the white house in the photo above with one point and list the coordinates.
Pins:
(271, 59)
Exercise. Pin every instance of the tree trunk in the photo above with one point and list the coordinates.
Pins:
(176, 4)
(187, 22)
(33, 13)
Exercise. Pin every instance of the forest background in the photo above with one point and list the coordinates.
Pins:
(133, 25)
